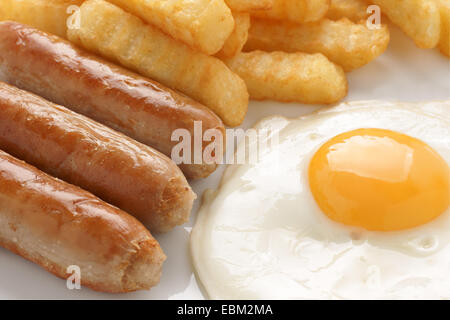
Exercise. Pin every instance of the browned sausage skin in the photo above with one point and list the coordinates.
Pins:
(140, 108)
(116, 168)
(58, 225)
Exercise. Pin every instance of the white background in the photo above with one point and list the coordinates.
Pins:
(403, 73)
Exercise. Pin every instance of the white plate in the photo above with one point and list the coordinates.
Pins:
(403, 73)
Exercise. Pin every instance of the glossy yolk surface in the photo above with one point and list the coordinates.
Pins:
(379, 180)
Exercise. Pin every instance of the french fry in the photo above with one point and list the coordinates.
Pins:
(201, 24)
(120, 36)
(419, 19)
(47, 15)
(444, 43)
(345, 43)
(238, 38)
(355, 10)
(249, 5)
(290, 77)
(299, 11)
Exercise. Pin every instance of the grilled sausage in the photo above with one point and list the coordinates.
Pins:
(57, 225)
(116, 168)
(136, 106)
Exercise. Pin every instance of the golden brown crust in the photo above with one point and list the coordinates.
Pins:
(56, 225)
(136, 106)
(119, 170)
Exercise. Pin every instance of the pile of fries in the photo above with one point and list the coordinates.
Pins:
(223, 52)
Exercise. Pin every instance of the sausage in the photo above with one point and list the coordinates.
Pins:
(57, 225)
(114, 167)
(136, 106)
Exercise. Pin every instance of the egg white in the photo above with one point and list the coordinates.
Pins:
(261, 235)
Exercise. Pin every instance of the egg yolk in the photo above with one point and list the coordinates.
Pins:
(379, 180)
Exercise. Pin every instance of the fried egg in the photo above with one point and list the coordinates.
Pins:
(351, 203)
